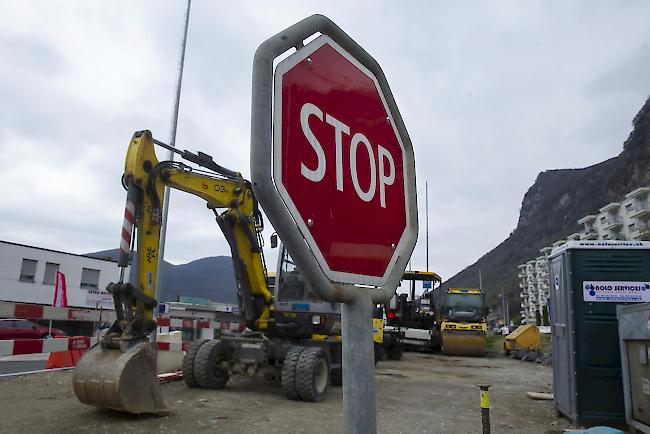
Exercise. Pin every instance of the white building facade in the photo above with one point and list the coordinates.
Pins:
(625, 220)
(28, 274)
(628, 220)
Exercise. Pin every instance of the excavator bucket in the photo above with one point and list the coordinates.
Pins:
(118, 380)
(463, 343)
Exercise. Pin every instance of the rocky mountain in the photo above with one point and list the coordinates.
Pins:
(212, 278)
(552, 206)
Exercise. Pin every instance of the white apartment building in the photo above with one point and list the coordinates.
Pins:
(628, 219)
(28, 273)
(625, 220)
(534, 285)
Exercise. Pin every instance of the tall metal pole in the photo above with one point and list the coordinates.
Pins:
(170, 156)
(503, 308)
(426, 204)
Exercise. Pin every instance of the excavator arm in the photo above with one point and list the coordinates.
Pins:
(240, 221)
(119, 373)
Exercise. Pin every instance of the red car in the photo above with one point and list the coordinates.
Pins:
(25, 329)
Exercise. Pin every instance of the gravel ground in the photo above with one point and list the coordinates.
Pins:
(422, 393)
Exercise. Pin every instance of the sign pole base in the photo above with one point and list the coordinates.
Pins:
(359, 404)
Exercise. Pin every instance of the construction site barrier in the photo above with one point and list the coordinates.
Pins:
(17, 347)
(79, 343)
(39, 311)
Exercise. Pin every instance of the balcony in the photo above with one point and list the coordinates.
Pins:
(574, 237)
(610, 207)
(639, 213)
(641, 234)
(612, 223)
(587, 220)
(640, 192)
(590, 235)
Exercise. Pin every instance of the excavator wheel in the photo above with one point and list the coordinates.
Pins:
(289, 372)
(188, 363)
(208, 373)
(312, 374)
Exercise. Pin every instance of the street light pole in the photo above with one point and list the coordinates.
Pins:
(170, 156)
(426, 204)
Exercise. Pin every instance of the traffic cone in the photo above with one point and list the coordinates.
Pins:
(60, 359)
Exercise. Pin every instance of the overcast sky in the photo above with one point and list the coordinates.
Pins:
(492, 93)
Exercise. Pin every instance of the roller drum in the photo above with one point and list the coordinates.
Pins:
(463, 343)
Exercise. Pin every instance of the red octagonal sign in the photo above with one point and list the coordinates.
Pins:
(339, 163)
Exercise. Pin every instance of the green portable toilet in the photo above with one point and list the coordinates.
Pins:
(588, 279)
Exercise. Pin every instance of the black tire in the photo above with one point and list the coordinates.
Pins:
(377, 353)
(188, 363)
(395, 354)
(207, 372)
(336, 377)
(288, 378)
(312, 374)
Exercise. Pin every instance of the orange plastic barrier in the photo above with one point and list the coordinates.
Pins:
(64, 359)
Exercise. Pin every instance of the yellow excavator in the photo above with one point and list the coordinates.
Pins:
(119, 372)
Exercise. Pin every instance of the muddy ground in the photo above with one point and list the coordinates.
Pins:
(422, 393)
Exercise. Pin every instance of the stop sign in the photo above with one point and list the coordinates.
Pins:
(339, 163)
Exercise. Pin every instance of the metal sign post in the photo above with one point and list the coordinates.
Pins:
(359, 404)
(333, 168)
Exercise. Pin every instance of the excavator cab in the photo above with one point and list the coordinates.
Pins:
(293, 295)
(296, 303)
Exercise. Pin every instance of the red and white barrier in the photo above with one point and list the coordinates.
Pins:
(37, 311)
(16, 347)
(173, 346)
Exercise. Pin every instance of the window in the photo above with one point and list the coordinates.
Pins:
(89, 278)
(50, 273)
(23, 324)
(628, 206)
(603, 219)
(28, 270)
(6, 324)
